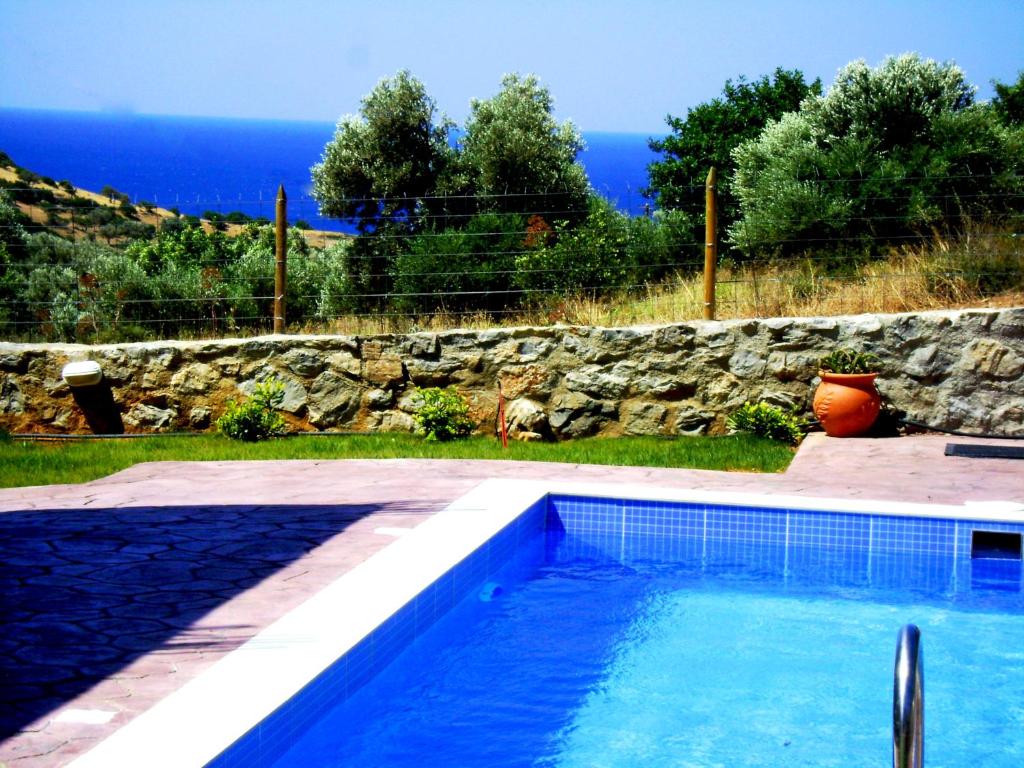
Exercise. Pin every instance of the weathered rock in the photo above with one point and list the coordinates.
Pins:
(594, 380)
(390, 421)
(344, 362)
(384, 371)
(576, 415)
(304, 362)
(432, 373)
(994, 359)
(143, 416)
(199, 417)
(379, 399)
(195, 379)
(748, 363)
(641, 418)
(524, 415)
(333, 401)
(11, 399)
(13, 358)
(63, 419)
(693, 419)
(528, 381)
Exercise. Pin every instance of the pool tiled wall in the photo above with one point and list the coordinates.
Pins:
(828, 547)
(270, 739)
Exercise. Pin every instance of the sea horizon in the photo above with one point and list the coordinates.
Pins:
(229, 163)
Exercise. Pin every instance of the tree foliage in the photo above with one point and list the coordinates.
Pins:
(518, 158)
(1009, 101)
(419, 202)
(379, 169)
(13, 240)
(383, 161)
(708, 134)
(888, 154)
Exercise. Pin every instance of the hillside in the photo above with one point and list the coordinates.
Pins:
(75, 213)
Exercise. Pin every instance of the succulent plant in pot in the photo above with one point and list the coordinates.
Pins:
(847, 402)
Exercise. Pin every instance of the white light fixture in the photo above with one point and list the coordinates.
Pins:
(82, 374)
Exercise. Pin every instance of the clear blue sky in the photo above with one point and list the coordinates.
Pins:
(613, 66)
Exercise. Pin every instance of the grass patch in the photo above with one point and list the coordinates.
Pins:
(44, 463)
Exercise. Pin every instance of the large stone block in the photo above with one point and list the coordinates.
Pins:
(643, 418)
(333, 401)
(384, 371)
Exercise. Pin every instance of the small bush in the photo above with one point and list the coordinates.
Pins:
(256, 418)
(444, 415)
(847, 360)
(769, 421)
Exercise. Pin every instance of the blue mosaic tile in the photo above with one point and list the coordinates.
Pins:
(268, 740)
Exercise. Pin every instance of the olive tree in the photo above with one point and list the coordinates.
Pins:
(518, 158)
(887, 154)
(379, 171)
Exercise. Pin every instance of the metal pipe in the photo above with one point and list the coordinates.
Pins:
(908, 700)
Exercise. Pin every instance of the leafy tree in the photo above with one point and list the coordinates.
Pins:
(1009, 101)
(518, 158)
(887, 154)
(892, 106)
(710, 132)
(378, 169)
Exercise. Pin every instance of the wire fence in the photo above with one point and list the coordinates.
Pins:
(80, 267)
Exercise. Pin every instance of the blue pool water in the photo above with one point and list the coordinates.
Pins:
(652, 645)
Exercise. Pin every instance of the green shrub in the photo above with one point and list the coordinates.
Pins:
(256, 418)
(444, 415)
(846, 360)
(460, 269)
(593, 257)
(769, 421)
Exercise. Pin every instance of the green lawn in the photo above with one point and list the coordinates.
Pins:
(43, 463)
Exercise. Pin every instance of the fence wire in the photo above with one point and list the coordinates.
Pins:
(78, 268)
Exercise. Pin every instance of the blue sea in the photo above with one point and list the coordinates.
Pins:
(224, 165)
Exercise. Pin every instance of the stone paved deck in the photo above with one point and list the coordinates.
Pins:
(116, 592)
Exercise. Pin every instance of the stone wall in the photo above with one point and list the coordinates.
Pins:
(953, 369)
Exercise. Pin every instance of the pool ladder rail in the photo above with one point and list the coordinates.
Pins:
(908, 700)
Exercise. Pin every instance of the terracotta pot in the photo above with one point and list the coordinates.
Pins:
(846, 404)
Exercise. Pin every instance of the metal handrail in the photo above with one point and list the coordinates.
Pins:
(908, 700)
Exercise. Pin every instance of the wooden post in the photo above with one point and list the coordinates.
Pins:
(710, 244)
(280, 267)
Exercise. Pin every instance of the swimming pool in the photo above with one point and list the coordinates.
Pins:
(672, 631)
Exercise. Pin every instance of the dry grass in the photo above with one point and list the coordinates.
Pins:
(974, 272)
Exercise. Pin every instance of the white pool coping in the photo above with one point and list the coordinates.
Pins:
(194, 724)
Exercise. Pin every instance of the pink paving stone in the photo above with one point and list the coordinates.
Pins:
(908, 469)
